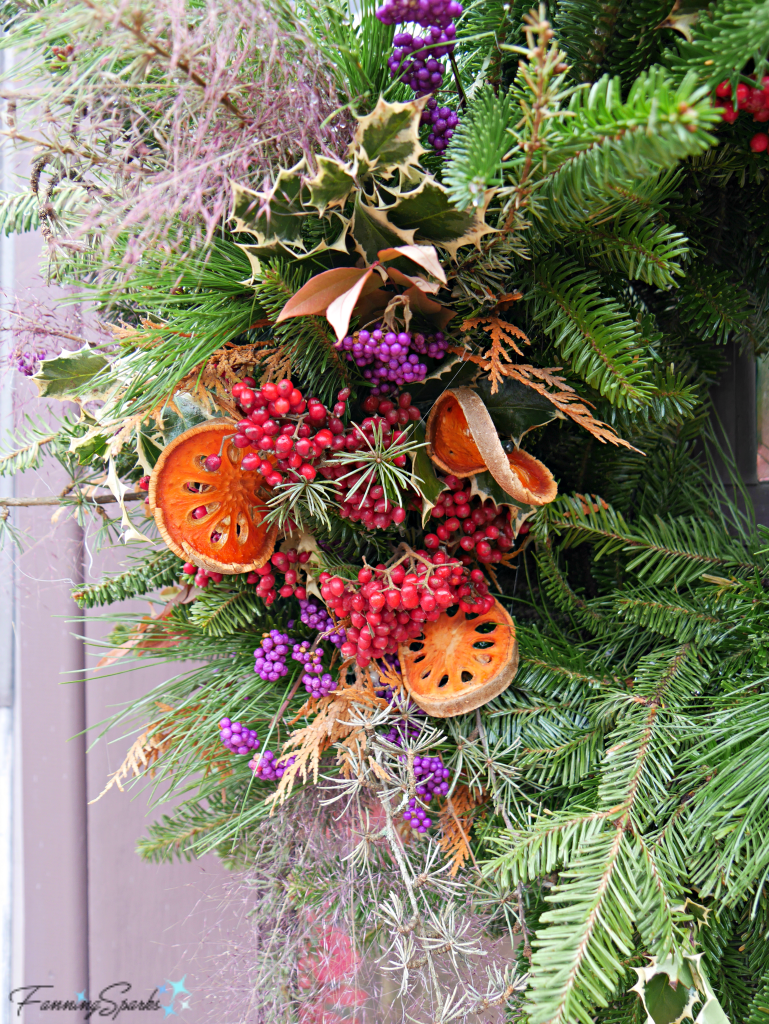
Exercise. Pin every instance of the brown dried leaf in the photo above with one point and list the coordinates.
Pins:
(178, 725)
(331, 724)
(502, 334)
(455, 822)
(563, 397)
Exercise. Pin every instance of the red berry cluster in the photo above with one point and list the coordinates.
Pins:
(267, 585)
(389, 605)
(287, 563)
(368, 504)
(202, 576)
(476, 527)
(289, 431)
(753, 100)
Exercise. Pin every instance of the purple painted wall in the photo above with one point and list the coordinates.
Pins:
(87, 911)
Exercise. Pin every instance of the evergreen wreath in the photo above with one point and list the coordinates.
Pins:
(409, 318)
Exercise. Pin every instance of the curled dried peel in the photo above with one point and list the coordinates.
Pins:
(232, 536)
(461, 661)
(462, 440)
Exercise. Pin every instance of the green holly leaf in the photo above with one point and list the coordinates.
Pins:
(388, 138)
(67, 376)
(371, 231)
(430, 214)
(485, 486)
(331, 185)
(423, 476)
(274, 215)
(516, 409)
(454, 374)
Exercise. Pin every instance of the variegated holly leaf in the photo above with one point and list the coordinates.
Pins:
(430, 215)
(68, 376)
(331, 185)
(372, 231)
(670, 989)
(336, 231)
(388, 138)
(273, 215)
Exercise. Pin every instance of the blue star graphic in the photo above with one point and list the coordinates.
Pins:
(178, 987)
(162, 988)
(80, 996)
(170, 1012)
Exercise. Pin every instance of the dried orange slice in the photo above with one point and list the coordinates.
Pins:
(462, 440)
(231, 535)
(460, 662)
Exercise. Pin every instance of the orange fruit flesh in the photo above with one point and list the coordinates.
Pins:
(453, 444)
(231, 535)
(459, 655)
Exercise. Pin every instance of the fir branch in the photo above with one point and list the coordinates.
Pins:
(724, 35)
(683, 548)
(159, 569)
(474, 159)
(602, 342)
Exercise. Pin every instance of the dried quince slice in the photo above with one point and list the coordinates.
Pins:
(462, 440)
(230, 534)
(461, 661)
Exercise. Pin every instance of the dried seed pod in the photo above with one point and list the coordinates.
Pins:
(462, 440)
(461, 661)
(229, 535)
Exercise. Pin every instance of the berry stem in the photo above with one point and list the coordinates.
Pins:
(279, 713)
(458, 81)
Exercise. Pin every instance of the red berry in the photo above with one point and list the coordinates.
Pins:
(284, 387)
(283, 445)
(432, 541)
(250, 462)
(724, 89)
(238, 388)
(303, 447)
(760, 142)
(295, 398)
(743, 91)
(247, 398)
(282, 406)
(189, 569)
(308, 472)
(270, 392)
(323, 438)
(144, 483)
(241, 441)
(365, 575)
(199, 512)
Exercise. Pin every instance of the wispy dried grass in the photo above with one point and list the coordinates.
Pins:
(152, 109)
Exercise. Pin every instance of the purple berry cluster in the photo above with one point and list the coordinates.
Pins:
(316, 616)
(390, 358)
(316, 682)
(432, 780)
(421, 12)
(237, 738)
(267, 768)
(270, 661)
(415, 58)
(442, 121)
